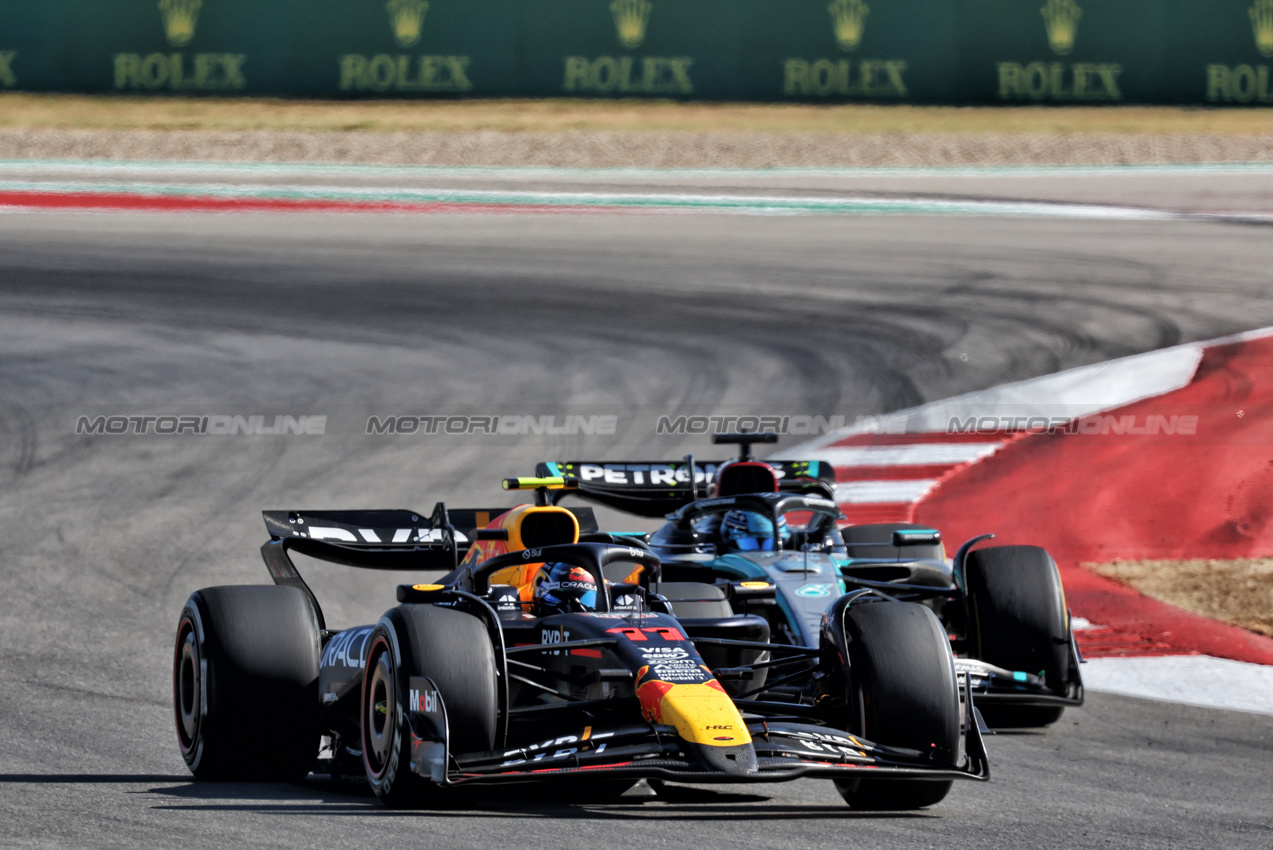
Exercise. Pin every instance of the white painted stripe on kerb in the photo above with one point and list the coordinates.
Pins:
(869, 492)
(1190, 679)
(1060, 396)
(913, 455)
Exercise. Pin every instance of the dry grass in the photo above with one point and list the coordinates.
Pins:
(1238, 592)
(56, 111)
(625, 133)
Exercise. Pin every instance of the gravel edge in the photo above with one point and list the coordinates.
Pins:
(1238, 592)
(648, 149)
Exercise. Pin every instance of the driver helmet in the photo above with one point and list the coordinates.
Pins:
(562, 588)
(748, 531)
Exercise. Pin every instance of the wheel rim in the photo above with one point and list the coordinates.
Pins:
(379, 709)
(187, 686)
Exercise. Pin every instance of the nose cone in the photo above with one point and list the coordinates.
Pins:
(706, 720)
(736, 759)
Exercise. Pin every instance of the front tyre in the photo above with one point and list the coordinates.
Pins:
(454, 650)
(245, 683)
(1019, 622)
(905, 695)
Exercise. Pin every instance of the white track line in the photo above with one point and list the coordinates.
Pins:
(1190, 679)
(872, 492)
(911, 455)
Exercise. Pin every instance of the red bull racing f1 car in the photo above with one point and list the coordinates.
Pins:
(551, 651)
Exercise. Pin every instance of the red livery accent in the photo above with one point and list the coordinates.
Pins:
(635, 634)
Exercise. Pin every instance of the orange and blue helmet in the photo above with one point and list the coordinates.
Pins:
(561, 588)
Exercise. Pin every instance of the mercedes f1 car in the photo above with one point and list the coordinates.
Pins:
(550, 651)
(1003, 606)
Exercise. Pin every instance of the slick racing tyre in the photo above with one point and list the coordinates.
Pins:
(862, 541)
(1019, 622)
(905, 695)
(245, 683)
(454, 650)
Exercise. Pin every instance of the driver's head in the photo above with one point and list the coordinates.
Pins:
(748, 531)
(561, 588)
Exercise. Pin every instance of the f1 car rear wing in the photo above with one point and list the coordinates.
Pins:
(378, 539)
(655, 488)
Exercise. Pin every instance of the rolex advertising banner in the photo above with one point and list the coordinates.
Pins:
(1067, 51)
(879, 51)
(1228, 48)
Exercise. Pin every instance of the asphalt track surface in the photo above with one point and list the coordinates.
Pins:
(632, 316)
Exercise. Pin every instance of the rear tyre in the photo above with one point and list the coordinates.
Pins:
(245, 683)
(1019, 622)
(451, 648)
(904, 695)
